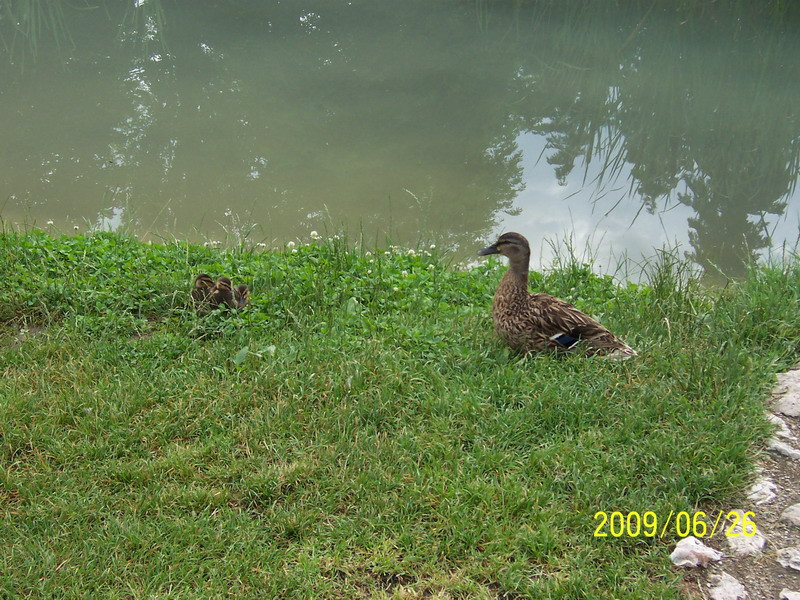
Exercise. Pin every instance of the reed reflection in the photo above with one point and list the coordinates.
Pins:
(716, 129)
(404, 117)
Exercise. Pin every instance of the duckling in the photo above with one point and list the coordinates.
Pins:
(203, 285)
(222, 294)
(536, 322)
(241, 295)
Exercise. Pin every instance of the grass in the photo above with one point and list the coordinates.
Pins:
(358, 431)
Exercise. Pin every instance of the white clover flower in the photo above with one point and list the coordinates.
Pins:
(431, 267)
(294, 250)
(314, 235)
(432, 246)
(205, 244)
(369, 271)
(395, 289)
(411, 252)
(50, 222)
(387, 253)
(75, 228)
(426, 253)
(368, 253)
(371, 260)
(403, 273)
(261, 245)
(290, 245)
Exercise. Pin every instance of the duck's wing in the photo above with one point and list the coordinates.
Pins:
(199, 295)
(566, 326)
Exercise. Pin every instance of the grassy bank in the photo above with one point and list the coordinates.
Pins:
(358, 431)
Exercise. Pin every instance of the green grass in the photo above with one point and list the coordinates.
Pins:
(374, 440)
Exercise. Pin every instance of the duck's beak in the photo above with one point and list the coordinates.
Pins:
(489, 250)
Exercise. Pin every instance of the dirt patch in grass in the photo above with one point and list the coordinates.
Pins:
(19, 334)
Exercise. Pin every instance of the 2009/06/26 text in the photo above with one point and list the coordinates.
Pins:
(684, 524)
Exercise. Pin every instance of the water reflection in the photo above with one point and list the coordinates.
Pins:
(716, 128)
(405, 118)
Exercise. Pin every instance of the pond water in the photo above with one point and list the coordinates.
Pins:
(615, 128)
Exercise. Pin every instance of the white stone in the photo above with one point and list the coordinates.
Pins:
(792, 514)
(691, 552)
(788, 381)
(788, 392)
(782, 428)
(726, 587)
(790, 558)
(740, 541)
(787, 594)
(762, 491)
(783, 448)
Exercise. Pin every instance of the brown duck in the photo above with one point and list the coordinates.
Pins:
(224, 294)
(536, 322)
(203, 285)
(241, 295)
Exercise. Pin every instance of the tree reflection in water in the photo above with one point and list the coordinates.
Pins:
(718, 129)
(403, 116)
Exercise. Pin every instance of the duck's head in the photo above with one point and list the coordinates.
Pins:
(203, 281)
(513, 245)
(223, 283)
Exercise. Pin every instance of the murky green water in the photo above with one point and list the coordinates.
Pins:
(623, 128)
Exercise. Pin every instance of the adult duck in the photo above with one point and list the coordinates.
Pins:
(537, 322)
